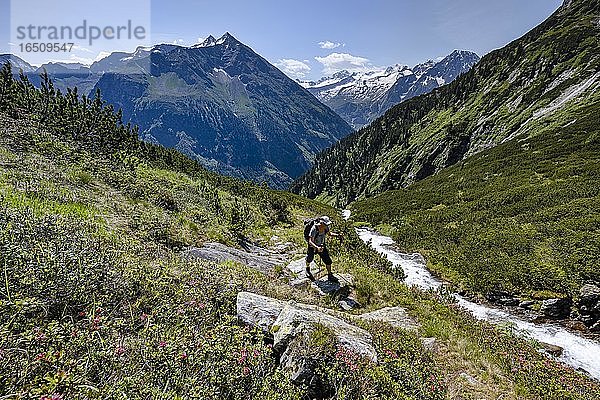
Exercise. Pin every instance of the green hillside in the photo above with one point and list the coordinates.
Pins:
(97, 301)
(522, 217)
(509, 92)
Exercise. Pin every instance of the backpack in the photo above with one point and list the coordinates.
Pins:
(308, 224)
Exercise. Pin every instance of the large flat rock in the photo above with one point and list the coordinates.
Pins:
(258, 311)
(257, 258)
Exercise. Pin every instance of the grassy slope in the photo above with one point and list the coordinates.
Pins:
(524, 216)
(96, 301)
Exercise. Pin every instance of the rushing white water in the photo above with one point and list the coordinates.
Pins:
(579, 352)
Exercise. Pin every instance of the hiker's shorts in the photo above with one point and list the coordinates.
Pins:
(324, 255)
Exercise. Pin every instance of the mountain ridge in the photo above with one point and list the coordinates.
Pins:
(360, 97)
(218, 102)
(500, 98)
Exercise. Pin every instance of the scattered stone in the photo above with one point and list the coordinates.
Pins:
(553, 350)
(258, 258)
(472, 381)
(395, 316)
(430, 344)
(509, 301)
(596, 327)
(349, 304)
(496, 295)
(527, 304)
(556, 308)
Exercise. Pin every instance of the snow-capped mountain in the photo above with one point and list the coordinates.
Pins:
(360, 97)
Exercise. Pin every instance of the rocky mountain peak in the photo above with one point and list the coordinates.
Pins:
(208, 42)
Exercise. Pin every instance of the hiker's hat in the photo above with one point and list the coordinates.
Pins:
(325, 220)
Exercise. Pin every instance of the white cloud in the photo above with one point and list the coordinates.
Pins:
(178, 42)
(80, 48)
(293, 68)
(330, 45)
(336, 62)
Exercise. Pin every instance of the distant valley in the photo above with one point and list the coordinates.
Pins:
(224, 105)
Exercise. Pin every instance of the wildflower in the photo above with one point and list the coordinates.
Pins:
(246, 371)
(162, 344)
(183, 356)
(82, 314)
(120, 350)
(144, 316)
(244, 355)
(391, 353)
(40, 356)
(55, 396)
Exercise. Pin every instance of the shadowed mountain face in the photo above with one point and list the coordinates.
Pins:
(221, 103)
(511, 92)
(218, 102)
(359, 98)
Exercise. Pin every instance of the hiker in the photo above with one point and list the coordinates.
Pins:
(316, 243)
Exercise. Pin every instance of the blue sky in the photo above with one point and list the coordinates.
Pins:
(308, 38)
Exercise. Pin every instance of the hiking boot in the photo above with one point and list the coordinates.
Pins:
(309, 275)
(332, 278)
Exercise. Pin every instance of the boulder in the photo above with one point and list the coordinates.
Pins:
(292, 324)
(577, 326)
(589, 304)
(556, 308)
(395, 316)
(551, 349)
(296, 319)
(258, 311)
(589, 295)
(588, 320)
